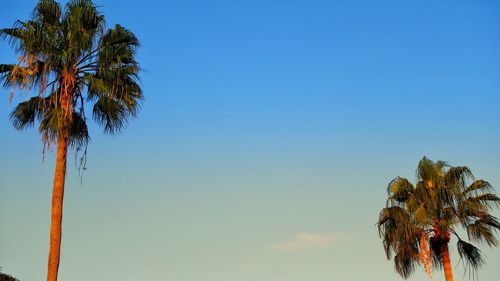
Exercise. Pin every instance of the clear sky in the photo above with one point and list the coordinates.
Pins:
(268, 136)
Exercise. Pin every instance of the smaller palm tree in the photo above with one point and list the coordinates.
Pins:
(6, 277)
(418, 222)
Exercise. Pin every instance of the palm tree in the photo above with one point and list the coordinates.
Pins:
(6, 277)
(68, 61)
(418, 221)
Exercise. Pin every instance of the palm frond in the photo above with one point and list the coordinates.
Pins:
(13, 35)
(52, 123)
(25, 113)
(440, 167)
(458, 175)
(79, 133)
(479, 186)
(118, 45)
(111, 114)
(486, 201)
(6, 68)
(483, 230)
(81, 24)
(469, 254)
(405, 264)
(426, 171)
(48, 12)
(6, 73)
(400, 189)
(118, 82)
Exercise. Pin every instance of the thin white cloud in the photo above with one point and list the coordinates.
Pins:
(287, 246)
(306, 239)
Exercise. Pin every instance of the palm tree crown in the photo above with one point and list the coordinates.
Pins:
(417, 223)
(5, 277)
(68, 58)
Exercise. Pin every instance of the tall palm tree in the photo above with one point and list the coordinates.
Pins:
(419, 221)
(68, 62)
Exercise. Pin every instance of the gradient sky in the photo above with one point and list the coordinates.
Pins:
(268, 136)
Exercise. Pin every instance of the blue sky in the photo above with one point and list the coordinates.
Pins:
(268, 135)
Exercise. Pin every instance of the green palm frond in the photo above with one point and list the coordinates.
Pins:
(470, 255)
(405, 262)
(483, 230)
(421, 195)
(479, 186)
(476, 206)
(6, 74)
(458, 175)
(111, 114)
(400, 189)
(401, 237)
(118, 46)
(426, 170)
(48, 12)
(119, 82)
(96, 86)
(26, 113)
(29, 37)
(6, 68)
(486, 201)
(421, 214)
(79, 131)
(14, 35)
(80, 24)
(52, 121)
(446, 194)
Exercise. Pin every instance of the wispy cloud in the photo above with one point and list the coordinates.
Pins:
(307, 239)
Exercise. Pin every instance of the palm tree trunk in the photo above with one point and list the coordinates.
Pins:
(57, 207)
(448, 274)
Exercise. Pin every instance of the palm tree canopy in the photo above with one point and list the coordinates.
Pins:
(67, 59)
(443, 198)
(5, 277)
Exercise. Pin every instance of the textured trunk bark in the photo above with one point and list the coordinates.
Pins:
(57, 208)
(448, 274)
